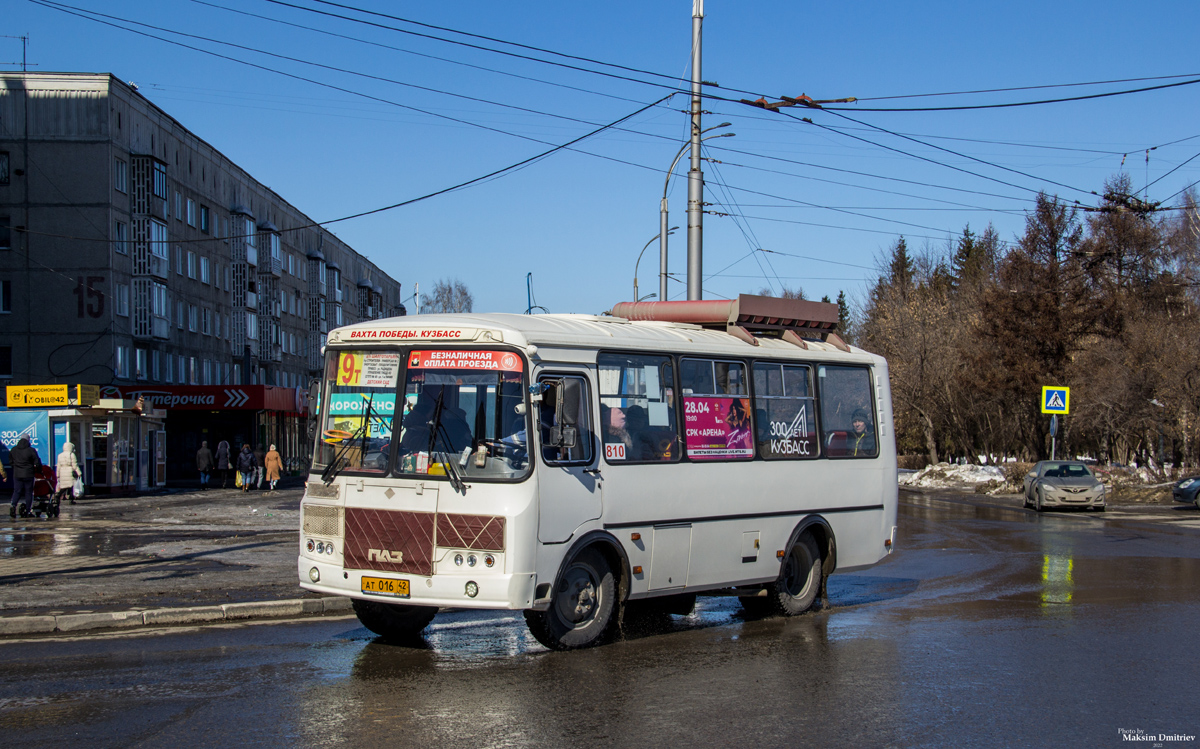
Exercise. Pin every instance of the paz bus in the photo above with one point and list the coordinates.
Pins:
(583, 469)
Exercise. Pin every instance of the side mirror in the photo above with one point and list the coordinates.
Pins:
(561, 398)
(1031, 475)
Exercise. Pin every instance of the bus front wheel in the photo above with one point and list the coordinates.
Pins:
(799, 581)
(393, 621)
(581, 611)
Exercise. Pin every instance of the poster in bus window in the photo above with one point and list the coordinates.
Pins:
(378, 370)
(787, 428)
(717, 428)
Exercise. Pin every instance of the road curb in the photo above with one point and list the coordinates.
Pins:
(41, 625)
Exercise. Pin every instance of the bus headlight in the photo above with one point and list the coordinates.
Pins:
(472, 589)
(315, 575)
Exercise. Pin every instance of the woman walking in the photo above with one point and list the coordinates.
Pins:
(222, 461)
(245, 466)
(273, 462)
(68, 471)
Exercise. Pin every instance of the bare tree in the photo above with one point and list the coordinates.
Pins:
(448, 296)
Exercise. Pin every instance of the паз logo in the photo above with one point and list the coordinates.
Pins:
(383, 555)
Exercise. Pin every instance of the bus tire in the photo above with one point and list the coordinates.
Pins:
(581, 612)
(393, 621)
(799, 581)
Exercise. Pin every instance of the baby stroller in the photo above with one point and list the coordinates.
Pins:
(45, 499)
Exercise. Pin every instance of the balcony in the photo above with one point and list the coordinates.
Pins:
(251, 300)
(274, 266)
(160, 327)
(159, 267)
(251, 255)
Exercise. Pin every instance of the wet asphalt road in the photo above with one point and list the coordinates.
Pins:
(990, 626)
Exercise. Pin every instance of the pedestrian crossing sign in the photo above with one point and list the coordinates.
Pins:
(1056, 400)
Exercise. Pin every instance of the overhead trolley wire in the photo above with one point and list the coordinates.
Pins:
(448, 60)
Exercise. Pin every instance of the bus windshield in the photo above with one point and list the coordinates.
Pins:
(461, 406)
(356, 425)
(464, 413)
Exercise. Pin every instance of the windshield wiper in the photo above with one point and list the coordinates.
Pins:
(339, 463)
(436, 430)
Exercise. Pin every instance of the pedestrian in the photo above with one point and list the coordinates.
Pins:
(204, 464)
(246, 466)
(273, 463)
(68, 471)
(25, 466)
(259, 456)
(223, 464)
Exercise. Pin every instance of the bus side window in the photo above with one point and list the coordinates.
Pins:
(785, 412)
(847, 412)
(637, 409)
(565, 420)
(716, 411)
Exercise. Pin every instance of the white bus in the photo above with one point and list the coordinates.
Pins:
(582, 468)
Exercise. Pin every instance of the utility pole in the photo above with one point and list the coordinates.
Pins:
(417, 298)
(695, 211)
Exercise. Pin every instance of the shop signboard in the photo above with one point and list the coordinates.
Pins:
(37, 396)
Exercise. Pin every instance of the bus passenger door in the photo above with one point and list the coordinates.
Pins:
(569, 487)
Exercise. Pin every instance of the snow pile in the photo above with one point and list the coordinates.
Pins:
(950, 476)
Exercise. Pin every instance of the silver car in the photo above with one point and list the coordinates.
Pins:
(1063, 483)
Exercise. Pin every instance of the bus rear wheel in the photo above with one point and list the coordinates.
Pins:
(798, 585)
(393, 621)
(581, 610)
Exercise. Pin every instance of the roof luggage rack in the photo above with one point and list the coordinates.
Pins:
(748, 317)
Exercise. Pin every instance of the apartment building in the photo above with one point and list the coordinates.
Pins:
(133, 254)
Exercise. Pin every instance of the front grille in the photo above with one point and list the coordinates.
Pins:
(323, 520)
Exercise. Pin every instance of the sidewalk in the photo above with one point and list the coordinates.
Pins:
(173, 558)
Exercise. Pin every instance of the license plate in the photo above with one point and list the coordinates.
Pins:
(385, 586)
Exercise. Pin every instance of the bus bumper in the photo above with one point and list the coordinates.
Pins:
(495, 591)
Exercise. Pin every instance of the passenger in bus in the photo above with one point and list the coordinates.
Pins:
(861, 441)
(641, 442)
(612, 423)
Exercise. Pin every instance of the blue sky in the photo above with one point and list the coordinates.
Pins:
(810, 206)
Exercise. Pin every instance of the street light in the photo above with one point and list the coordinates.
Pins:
(639, 262)
(662, 210)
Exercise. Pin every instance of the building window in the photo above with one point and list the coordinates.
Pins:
(5, 233)
(191, 257)
(228, 279)
(225, 228)
(6, 296)
(159, 306)
(193, 318)
(178, 260)
(142, 364)
(122, 367)
(237, 375)
(180, 373)
(160, 186)
(5, 361)
(170, 369)
(204, 219)
(207, 372)
(291, 264)
(158, 242)
(121, 237)
(4, 170)
(204, 275)
(178, 206)
(191, 212)
(252, 326)
(156, 366)
(120, 175)
(206, 323)
(193, 371)
(122, 299)
(179, 315)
